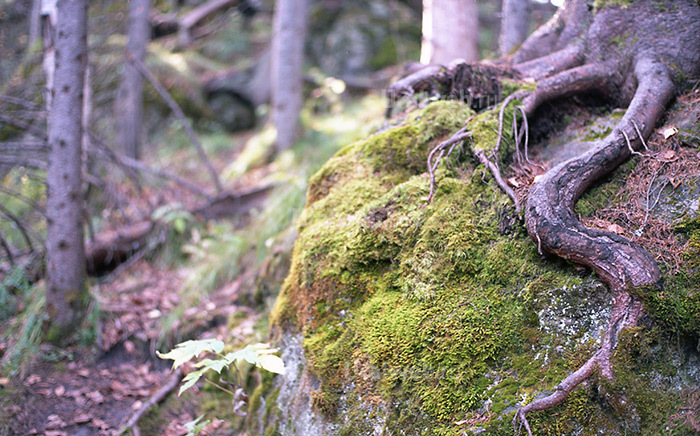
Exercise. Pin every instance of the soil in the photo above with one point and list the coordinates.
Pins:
(94, 390)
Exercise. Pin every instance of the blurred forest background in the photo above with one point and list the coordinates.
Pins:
(192, 179)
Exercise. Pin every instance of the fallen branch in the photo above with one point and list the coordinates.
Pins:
(111, 249)
(31, 129)
(141, 67)
(137, 165)
(198, 14)
(160, 395)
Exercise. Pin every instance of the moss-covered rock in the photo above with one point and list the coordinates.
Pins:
(405, 318)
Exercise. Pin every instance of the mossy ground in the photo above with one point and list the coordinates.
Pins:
(428, 312)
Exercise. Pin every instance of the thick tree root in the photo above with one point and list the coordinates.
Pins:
(549, 216)
(552, 223)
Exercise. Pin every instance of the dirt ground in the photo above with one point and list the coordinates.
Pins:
(95, 390)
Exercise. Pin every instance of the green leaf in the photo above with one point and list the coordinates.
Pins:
(260, 355)
(195, 427)
(272, 363)
(190, 380)
(214, 365)
(180, 225)
(185, 351)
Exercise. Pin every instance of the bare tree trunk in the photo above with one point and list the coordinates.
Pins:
(48, 24)
(65, 289)
(34, 26)
(450, 31)
(515, 16)
(129, 105)
(289, 34)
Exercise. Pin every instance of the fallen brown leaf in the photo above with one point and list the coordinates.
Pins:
(667, 156)
(32, 379)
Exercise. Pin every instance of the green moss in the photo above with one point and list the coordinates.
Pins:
(602, 194)
(595, 135)
(423, 314)
(601, 4)
(413, 302)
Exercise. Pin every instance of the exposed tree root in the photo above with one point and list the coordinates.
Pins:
(157, 397)
(645, 83)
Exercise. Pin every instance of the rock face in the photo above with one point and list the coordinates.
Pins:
(405, 318)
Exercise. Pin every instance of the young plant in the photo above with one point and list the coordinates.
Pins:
(260, 355)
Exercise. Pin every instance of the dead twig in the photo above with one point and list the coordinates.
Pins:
(448, 145)
(160, 395)
(141, 67)
(31, 129)
(496, 173)
(136, 165)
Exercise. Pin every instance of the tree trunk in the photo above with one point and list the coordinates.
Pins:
(65, 288)
(129, 106)
(34, 26)
(515, 16)
(289, 34)
(450, 31)
(48, 24)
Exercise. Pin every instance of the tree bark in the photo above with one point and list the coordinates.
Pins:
(34, 26)
(450, 31)
(130, 100)
(65, 288)
(48, 25)
(515, 16)
(289, 34)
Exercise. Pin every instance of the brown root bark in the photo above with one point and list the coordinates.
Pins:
(576, 53)
(552, 223)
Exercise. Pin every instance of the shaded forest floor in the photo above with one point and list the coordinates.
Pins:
(94, 390)
(203, 279)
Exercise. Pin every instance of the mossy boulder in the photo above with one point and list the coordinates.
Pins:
(400, 317)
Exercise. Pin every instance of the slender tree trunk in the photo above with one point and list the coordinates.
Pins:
(48, 25)
(130, 100)
(65, 287)
(34, 26)
(289, 34)
(515, 16)
(450, 31)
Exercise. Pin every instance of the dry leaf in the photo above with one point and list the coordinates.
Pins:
(97, 422)
(669, 132)
(4, 381)
(81, 418)
(615, 228)
(667, 156)
(32, 379)
(95, 397)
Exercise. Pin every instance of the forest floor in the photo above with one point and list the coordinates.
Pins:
(94, 390)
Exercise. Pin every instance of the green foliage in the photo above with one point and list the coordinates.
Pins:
(23, 329)
(260, 355)
(196, 426)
